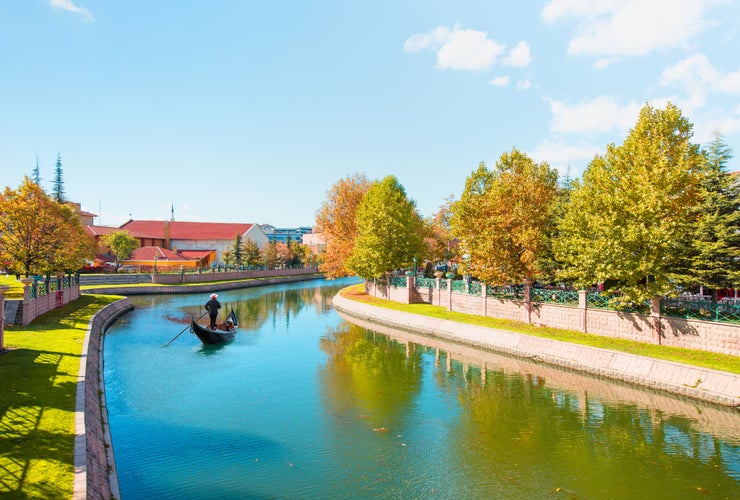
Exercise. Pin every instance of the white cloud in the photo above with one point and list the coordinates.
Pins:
(457, 48)
(500, 81)
(608, 29)
(520, 56)
(698, 77)
(69, 6)
(523, 84)
(594, 116)
(566, 158)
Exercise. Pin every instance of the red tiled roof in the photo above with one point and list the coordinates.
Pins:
(148, 253)
(195, 254)
(188, 230)
(103, 230)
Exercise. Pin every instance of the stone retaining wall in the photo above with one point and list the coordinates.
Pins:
(700, 383)
(651, 328)
(95, 467)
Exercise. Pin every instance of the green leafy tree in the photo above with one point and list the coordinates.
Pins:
(389, 231)
(252, 254)
(121, 244)
(38, 234)
(503, 219)
(630, 221)
(58, 190)
(715, 255)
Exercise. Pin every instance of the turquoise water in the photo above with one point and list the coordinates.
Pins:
(303, 404)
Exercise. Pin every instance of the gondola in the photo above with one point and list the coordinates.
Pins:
(219, 335)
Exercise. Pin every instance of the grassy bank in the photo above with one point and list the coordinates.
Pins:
(693, 357)
(39, 371)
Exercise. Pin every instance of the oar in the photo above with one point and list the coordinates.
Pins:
(183, 330)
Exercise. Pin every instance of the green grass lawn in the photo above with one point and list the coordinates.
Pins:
(715, 361)
(16, 287)
(38, 379)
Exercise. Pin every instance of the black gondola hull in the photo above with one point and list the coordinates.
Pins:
(218, 336)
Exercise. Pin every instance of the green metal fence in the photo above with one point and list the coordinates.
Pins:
(398, 281)
(554, 296)
(702, 309)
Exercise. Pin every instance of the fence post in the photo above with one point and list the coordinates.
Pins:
(437, 292)
(27, 282)
(484, 298)
(657, 320)
(410, 283)
(528, 300)
(449, 294)
(582, 307)
(3, 289)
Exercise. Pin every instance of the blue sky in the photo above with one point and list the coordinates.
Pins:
(246, 111)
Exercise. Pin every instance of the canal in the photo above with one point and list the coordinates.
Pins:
(304, 404)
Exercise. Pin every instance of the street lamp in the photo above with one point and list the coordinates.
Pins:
(414, 267)
(155, 262)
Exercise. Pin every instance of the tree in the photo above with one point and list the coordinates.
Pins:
(36, 175)
(235, 254)
(121, 243)
(336, 221)
(252, 254)
(58, 190)
(502, 219)
(38, 234)
(270, 255)
(630, 220)
(441, 244)
(715, 255)
(389, 231)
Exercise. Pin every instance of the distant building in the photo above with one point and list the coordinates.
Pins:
(284, 235)
(314, 241)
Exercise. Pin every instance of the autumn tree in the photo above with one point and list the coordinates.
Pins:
(389, 231)
(40, 235)
(336, 221)
(252, 254)
(503, 218)
(715, 252)
(270, 255)
(630, 221)
(121, 244)
(441, 244)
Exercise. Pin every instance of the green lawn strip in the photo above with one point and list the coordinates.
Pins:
(704, 359)
(37, 400)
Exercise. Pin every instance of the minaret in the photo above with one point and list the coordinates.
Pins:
(172, 217)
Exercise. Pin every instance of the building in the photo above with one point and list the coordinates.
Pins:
(285, 235)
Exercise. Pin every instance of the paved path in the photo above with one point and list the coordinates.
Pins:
(701, 383)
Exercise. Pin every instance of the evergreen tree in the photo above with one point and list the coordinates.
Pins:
(715, 256)
(36, 175)
(58, 190)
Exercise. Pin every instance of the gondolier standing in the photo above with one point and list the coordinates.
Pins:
(212, 306)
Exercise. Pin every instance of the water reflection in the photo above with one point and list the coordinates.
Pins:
(566, 431)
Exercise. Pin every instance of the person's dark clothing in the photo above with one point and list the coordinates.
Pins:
(212, 306)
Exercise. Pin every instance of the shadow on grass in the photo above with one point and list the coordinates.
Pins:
(34, 404)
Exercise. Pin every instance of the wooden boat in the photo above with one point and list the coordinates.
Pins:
(220, 334)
